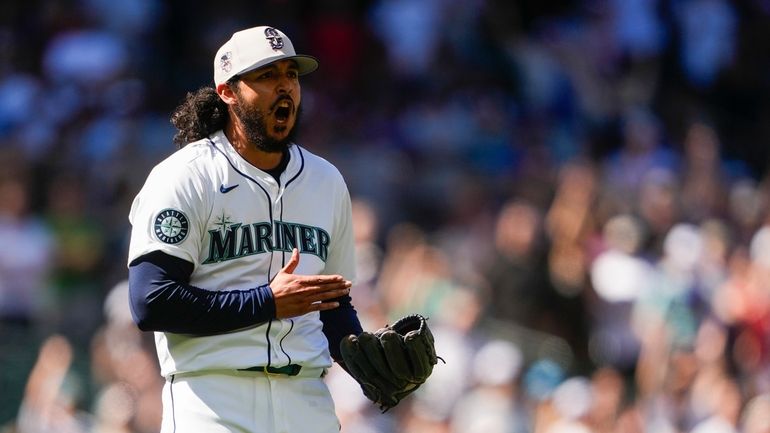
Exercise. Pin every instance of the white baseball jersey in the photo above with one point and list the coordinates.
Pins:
(238, 225)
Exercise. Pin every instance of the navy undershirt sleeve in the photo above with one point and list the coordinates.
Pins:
(162, 299)
(338, 323)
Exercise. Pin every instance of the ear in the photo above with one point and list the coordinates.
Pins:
(226, 93)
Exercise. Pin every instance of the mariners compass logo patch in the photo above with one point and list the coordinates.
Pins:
(275, 39)
(171, 226)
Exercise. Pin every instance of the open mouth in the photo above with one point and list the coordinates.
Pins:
(283, 111)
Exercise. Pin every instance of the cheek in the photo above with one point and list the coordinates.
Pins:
(259, 103)
(255, 94)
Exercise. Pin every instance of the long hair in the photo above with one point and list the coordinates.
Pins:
(201, 114)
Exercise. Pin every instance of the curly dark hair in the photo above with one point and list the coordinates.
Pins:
(201, 114)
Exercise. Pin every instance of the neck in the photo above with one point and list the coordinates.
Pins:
(256, 157)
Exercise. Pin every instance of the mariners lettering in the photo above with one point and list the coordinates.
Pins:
(238, 240)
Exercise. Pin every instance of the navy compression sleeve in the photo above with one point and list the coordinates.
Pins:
(338, 323)
(162, 299)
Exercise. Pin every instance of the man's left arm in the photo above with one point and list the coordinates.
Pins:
(343, 320)
(339, 323)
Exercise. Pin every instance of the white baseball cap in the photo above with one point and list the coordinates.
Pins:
(256, 47)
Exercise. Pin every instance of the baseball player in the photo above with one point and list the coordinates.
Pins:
(241, 253)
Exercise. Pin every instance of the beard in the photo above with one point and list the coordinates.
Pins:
(255, 128)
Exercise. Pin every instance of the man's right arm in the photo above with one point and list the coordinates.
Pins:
(162, 299)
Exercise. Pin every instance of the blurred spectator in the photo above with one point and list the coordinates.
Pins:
(716, 404)
(704, 178)
(516, 269)
(671, 301)
(453, 329)
(50, 402)
(744, 303)
(638, 28)
(86, 57)
(745, 209)
(369, 256)
(708, 33)
(641, 152)
(571, 401)
(79, 251)
(416, 276)
(658, 207)
(619, 276)
(26, 255)
(494, 404)
(608, 394)
(569, 224)
(756, 415)
(123, 365)
(411, 33)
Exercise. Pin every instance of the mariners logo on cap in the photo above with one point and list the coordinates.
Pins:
(171, 226)
(225, 62)
(275, 39)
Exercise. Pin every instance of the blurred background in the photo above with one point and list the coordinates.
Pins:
(575, 192)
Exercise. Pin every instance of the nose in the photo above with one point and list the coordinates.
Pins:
(284, 85)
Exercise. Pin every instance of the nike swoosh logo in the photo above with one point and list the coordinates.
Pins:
(225, 189)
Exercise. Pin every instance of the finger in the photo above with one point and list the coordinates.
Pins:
(323, 288)
(329, 286)
(293, 262)
(356, 361)
(323, 306)
(370, 345)
(396, 354)
(355, 364)
(333, 295)
(319, 279)
(420, 359)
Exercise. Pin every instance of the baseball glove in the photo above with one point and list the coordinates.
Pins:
(392, 362)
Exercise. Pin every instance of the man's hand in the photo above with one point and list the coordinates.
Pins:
(296, 295)
(393, 361)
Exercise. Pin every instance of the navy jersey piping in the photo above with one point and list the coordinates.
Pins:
(280, 342)
(283, 256)
(301, 166)
(269, 199)
(173, 408)
(270, 210)
(267, 337)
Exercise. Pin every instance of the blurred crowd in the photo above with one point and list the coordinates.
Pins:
(574, 192)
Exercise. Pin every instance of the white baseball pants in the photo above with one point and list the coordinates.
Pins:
(231, 402)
